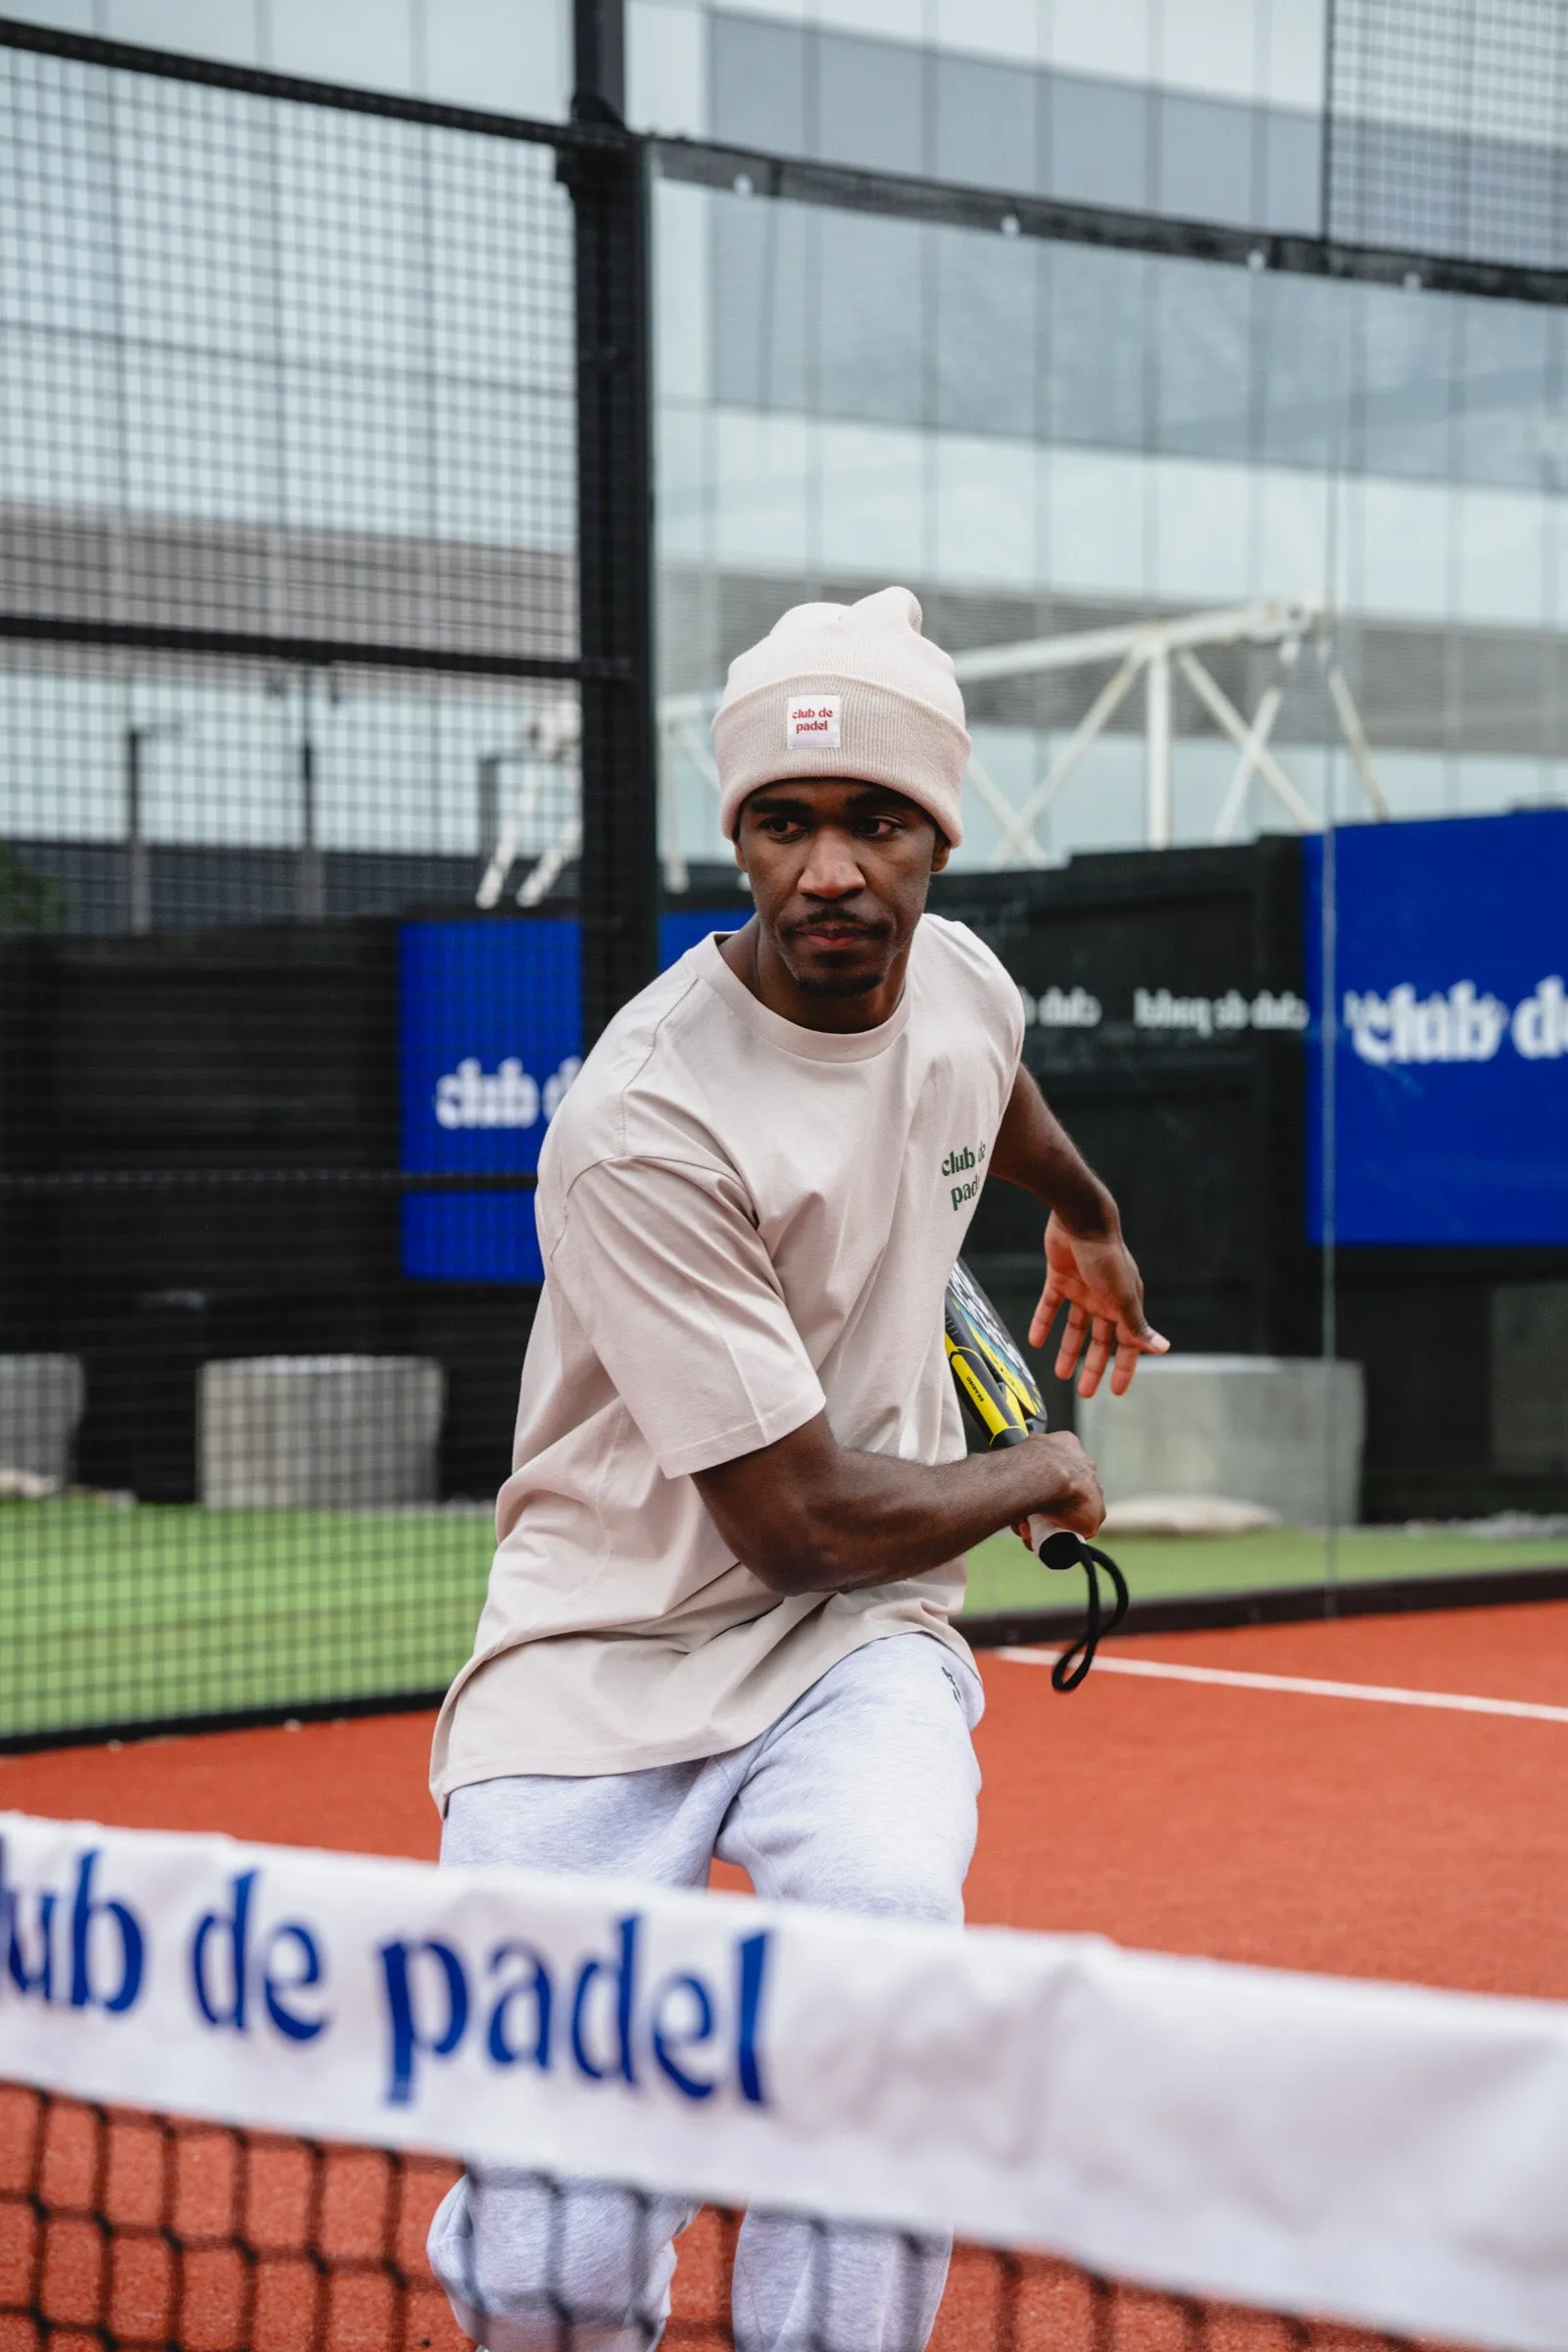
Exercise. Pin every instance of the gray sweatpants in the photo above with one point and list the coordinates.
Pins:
(861, 1798)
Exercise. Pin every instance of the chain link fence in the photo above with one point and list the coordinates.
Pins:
(293, 685)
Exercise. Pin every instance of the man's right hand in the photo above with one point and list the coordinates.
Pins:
(1069, 1494)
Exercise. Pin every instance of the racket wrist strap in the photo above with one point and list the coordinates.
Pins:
(1074, 1663)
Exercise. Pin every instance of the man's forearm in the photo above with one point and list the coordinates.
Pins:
(832, 1519)
(885, 1518)
(1035, 1151)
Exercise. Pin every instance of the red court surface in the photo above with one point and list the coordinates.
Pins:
(1302, 1831)
(1366, 1837)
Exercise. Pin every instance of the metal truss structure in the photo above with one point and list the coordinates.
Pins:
(549, 764)
(1155, 653)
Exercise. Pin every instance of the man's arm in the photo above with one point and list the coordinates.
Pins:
(806, 1516)
(1088, 1265)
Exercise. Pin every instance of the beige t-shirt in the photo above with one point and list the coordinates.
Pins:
(743, 1222)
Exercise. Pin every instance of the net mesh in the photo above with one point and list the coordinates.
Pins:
(139, 2232)
(289, 628)
(262, 378)
(1448, 127)
(289, 605)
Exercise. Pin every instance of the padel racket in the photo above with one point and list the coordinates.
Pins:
(1002, 1397)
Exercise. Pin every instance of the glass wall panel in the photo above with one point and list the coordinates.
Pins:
(1208, 153)
(1164, 433)
(257, 349)
(1049, 439)
(1293, 174)
(1097, 347)
(758, 75)
(870, 104)
(1097, 146)
(1204, 340)
(1435, 1131)
(986, 123)
(986, 305)
(257, 378)
(911, 106)
(868, 320)
(513, 55)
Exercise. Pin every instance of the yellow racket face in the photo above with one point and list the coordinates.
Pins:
(993, 1406)
(991, 1379)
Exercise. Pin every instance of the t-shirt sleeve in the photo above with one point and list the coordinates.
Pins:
(1008, 1008)
(1001, 1004)
(664, 1270)
(1012, 1013)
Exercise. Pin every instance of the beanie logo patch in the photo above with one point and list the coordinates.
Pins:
(813, 724)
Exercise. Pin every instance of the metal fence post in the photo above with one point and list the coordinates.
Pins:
(138, 874)
(138, 856)
(309, 897)
(618, 871)
(1159, 816)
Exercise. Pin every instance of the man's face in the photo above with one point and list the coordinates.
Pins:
(839, 871)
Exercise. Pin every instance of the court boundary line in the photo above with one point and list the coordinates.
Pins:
(1280, 1604)
(996, 1633)
(1302, 1686)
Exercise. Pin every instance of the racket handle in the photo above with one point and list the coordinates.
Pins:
(1055, 1547)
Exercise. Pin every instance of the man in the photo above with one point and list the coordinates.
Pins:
(731, 1545)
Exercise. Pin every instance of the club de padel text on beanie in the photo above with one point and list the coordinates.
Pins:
(846, 690)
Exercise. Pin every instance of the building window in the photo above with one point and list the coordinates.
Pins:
(759, 79)
(986, 132)
(870, 104)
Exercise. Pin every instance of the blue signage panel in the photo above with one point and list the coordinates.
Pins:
(1451, 1049)
(682, 930)
(490, 1039)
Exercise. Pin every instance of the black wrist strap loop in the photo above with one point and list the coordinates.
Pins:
(1074, 1663)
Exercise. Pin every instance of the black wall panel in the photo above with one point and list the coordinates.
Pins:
(199, 1147)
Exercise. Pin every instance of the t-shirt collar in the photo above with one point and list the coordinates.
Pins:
(789, 1036)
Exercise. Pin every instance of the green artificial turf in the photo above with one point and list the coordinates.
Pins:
(120, 1615)
(113, 1615)
(1002, 1576)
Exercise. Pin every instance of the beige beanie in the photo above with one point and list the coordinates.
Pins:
(845, 689)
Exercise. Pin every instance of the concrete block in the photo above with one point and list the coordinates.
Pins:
(1252, 1427)
(330, 1433)
(42, 1402)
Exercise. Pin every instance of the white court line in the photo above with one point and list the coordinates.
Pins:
(1302, 1686)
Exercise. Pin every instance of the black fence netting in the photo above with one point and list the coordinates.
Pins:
(327, 747)
(293, 709)
(1448, 128)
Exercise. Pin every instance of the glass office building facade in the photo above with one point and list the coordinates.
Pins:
(255, 379)
(513, 55)
(1045, 435)
(1038, 431)
(1049, 433)
(1157, 308)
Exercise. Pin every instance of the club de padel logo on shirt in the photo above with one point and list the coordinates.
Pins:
(811, 722)
(959, 1163)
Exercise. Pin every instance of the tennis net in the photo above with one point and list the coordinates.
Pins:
(1133, 2153)
(136, 2230)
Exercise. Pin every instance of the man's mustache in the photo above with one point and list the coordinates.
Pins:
(814, 927)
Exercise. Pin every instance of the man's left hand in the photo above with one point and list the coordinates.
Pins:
(1098, 1279)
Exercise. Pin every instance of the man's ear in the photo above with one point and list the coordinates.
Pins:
(941, 853)
(739, 853)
